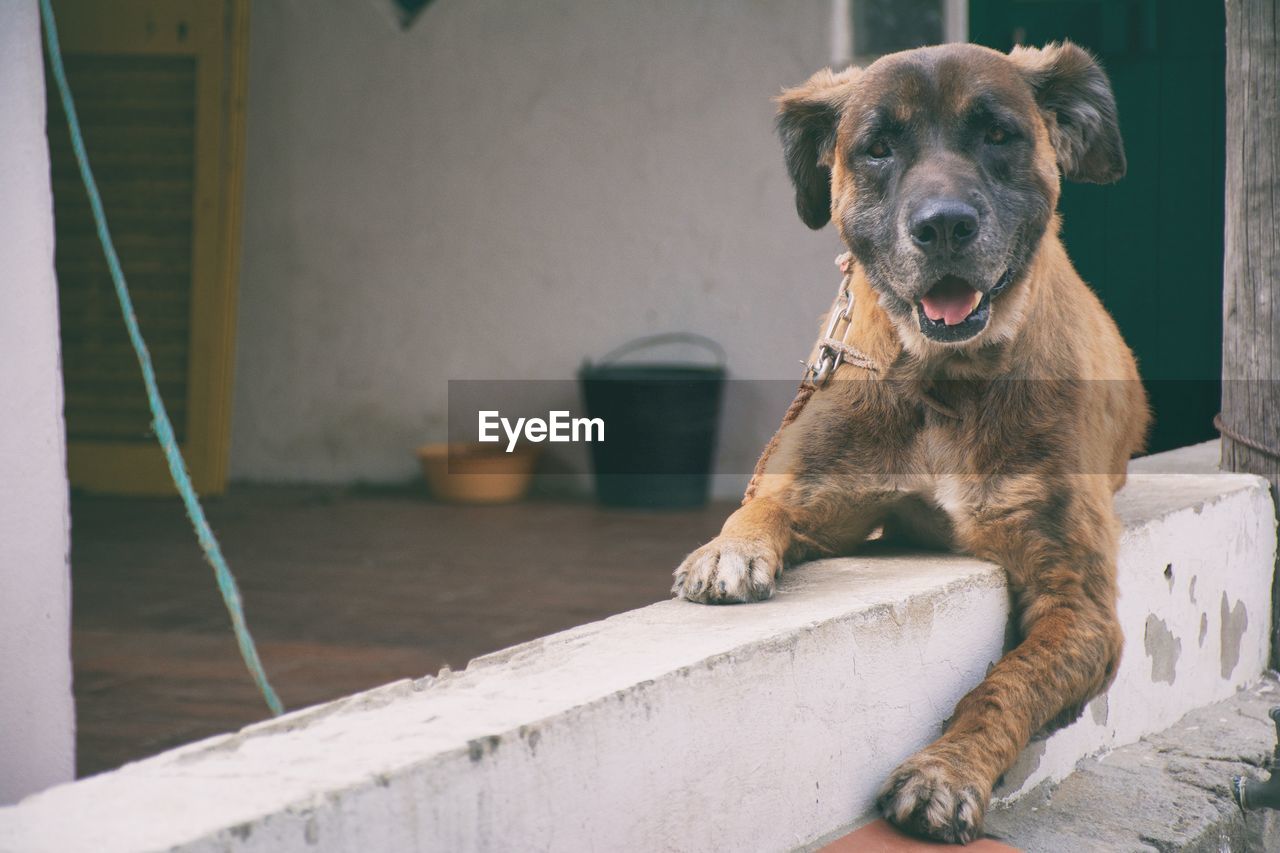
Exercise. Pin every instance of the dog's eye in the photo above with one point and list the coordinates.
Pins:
(878, 150)
(998, 135)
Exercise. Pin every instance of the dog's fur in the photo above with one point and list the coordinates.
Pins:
(1047, 394)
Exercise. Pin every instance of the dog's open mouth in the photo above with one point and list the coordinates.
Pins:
(954, 310)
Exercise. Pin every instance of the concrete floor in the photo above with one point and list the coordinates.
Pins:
(343, 589)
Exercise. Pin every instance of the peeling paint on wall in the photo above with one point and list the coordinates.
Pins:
(1163, 648)
(1027, 762)
(1234, 621)
(1100, 710)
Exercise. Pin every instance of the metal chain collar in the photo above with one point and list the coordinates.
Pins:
(833, 351)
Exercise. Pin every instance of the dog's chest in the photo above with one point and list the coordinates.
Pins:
(953, 468)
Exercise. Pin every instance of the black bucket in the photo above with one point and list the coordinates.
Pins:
(660, 425)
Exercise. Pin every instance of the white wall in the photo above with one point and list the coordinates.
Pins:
(500, 191)
(37, 717)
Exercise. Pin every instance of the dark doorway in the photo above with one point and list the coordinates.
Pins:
(1151, 245)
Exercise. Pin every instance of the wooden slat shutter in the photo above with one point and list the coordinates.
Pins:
(159, 89)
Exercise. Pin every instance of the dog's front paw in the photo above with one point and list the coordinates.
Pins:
(727, 571)
(935, 794)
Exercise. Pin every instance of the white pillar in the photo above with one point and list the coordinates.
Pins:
(37, 713)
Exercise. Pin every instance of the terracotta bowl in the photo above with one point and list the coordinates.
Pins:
(478, 473)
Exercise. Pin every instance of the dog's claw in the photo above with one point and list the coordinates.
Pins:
(727, 571)
(927, 796)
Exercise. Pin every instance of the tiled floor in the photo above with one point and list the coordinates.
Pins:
(880, 837)
(344, 590)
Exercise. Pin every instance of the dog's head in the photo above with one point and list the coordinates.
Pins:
(940, 166)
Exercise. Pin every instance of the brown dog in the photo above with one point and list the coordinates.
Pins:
(1004, 404)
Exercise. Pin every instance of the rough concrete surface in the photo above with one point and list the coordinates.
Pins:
(1168, 792)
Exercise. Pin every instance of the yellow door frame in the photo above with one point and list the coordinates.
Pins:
(215, 34)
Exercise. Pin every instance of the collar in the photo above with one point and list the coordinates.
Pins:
(835, 349)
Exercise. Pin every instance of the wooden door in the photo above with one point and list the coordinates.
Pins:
(159, 88)
(1150, 246)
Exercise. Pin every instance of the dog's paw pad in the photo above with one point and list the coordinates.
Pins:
(727, 571)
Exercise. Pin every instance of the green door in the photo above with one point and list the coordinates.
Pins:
(1151, 245)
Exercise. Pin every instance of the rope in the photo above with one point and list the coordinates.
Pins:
(1250, 443)
(850, 354)
(163, 428)
(793, 411)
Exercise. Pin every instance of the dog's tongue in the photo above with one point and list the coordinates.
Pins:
(951, 300)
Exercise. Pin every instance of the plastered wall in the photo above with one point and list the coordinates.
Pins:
(37, 715)
(500, 191)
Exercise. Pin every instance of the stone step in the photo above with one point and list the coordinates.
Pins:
(1170, 791)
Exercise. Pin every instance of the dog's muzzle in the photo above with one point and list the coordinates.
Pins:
(954, 310)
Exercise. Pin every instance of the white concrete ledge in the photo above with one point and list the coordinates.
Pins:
(677, 726)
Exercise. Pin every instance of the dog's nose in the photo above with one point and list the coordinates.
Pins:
(944, 225)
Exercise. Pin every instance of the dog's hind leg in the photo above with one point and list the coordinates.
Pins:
(1060, 556)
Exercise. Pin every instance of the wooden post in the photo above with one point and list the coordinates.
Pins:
(1251, 267)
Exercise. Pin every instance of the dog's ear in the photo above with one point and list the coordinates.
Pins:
(807, 119)
(1075, 95)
